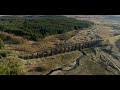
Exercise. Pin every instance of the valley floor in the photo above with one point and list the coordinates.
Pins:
(96, 62)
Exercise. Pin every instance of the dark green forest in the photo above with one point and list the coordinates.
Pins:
(34, 28)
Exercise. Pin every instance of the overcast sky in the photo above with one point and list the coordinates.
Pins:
(82, 15)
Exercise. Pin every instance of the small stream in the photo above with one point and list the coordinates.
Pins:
(72, 66)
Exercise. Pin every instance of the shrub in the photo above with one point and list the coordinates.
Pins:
(2, 45)
(11, 66)
(4, 53)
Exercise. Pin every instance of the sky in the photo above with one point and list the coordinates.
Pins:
(10, 15)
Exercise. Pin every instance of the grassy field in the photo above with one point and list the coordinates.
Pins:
(92, 65)
(50, 41)
(44, 65)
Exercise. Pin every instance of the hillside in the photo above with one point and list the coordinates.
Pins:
(25, 35)
(36, 27)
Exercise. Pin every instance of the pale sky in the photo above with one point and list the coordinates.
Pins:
(87, 15)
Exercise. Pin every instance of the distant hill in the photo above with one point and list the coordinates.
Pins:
(19, 16)
(111, 17)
